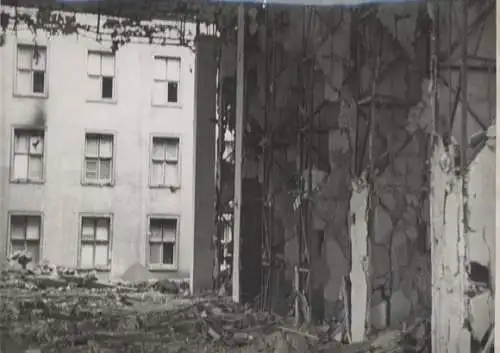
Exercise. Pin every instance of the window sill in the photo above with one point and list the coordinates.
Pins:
(102, 185)
(96, 269)
(105, 101)
(167, 105)
(31, 95)
(162, 268)
(172, 188)
(27, 181)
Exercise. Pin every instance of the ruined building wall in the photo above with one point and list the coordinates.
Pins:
(334, 54)
(339, 145)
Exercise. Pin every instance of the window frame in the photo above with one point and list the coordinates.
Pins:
(95, 216)
(31, 130)
(101, 52)
(152, 137)
(16, 92)
(26, 214)
(84, 180)
(167, 104)
(163, 267)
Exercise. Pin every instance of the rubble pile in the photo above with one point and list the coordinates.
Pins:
(62, 310)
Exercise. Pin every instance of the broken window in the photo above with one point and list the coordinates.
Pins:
(31, 70)
(166, 80)
(95, 241)
(162, 242)
(27, 160)
(98, 159)
(165, 162)
(25, 234)
(101, 74)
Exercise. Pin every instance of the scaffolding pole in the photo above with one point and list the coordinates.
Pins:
(238, 175)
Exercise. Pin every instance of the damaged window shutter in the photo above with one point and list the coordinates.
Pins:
(171, 174)
(155, 253)
(94, 64)
(160, 69)
(24, 57)
(20, 168)
(102, 230)
(92, 147)
(173, 70)
(101, 255)
(169, 231)
(33, 228)
(106, 147)
(21, 144)
(16, 245)
(35, 171)
(168, 253)
(18, 227)
(172, 147)
(108, 65)
(87, 256)
(157, 173)
(39, 61)
(91, 169)
(105, 170)
(33, 247)
(158, 151)
(36, 145)
(87, 230)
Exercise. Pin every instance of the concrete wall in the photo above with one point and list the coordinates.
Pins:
(68, 115)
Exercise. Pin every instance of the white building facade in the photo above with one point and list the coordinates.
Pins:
(97, 152)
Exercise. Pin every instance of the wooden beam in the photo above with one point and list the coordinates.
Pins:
(240, 96)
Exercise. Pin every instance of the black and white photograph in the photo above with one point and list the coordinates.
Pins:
(227, 176)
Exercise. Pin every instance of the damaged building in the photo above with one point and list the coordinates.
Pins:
(367, 164)
(354, 171)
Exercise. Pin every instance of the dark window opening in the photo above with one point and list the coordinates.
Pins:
(38, 81)
(168, 253)
(172, 92)
(107, 87)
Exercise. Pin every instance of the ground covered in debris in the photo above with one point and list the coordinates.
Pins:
(55, 309)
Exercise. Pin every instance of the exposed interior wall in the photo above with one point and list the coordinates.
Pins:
(339, 148)
(332, 55)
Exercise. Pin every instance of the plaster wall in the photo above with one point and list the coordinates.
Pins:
(133, 120)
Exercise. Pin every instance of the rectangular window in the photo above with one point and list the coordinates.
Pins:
(25, 235)
(101, 74)
(27, 159)
(165, 162)
(167, 73)
(162, 242)
(95, 243)
(98, 159)
(31, 70)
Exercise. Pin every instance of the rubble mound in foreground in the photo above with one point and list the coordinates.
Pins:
(65, 311)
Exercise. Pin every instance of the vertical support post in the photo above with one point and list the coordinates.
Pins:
(360, 274)
(463, 255)
(464, 143)
(240, 95)
(218, 175)
(296, 287)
